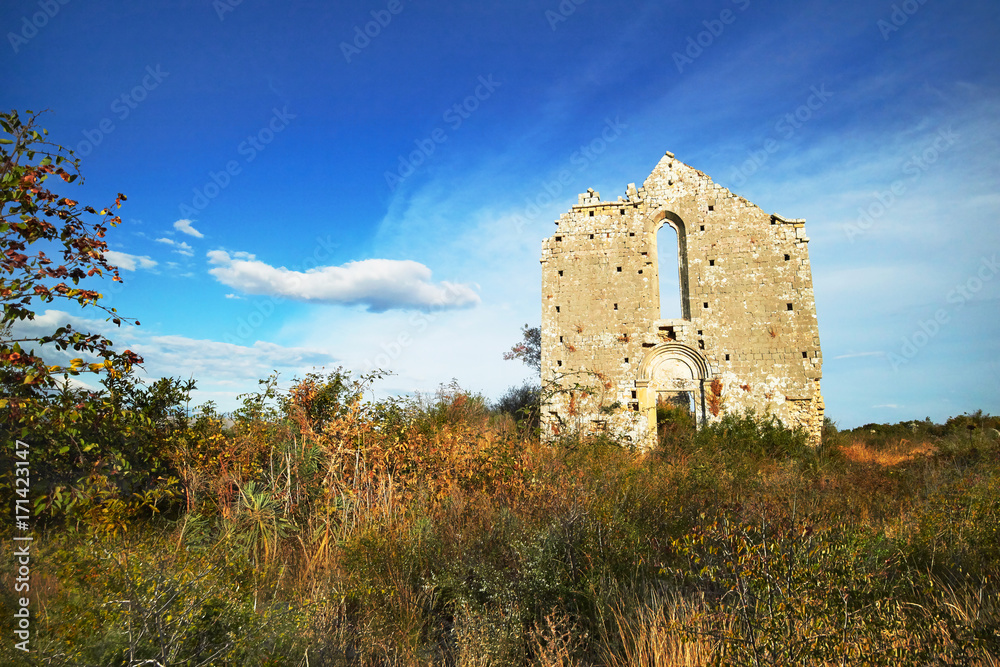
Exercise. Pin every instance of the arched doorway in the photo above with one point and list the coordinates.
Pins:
(676, 374)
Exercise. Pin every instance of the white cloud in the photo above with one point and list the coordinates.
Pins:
(180, 247)
(222, 370)
(378, 284)
(184, 225)
(213, 361)
(856, 355)
(421, 350)
(128, 262)
(48, 321)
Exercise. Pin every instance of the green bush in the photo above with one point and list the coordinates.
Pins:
(760, 436)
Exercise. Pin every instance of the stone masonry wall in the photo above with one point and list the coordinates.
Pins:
(748, 336)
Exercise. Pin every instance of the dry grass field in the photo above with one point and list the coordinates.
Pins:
(318, 528)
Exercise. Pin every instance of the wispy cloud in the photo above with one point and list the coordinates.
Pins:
(378, 284)
(180, 247)
(216, 361)
(185, 226)
(128, 262)
(856, 355)
(212, 363)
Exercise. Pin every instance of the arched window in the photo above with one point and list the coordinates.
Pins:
(671, 261)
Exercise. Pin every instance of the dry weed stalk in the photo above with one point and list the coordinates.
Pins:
(659, 634)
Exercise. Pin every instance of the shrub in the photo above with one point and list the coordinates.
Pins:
(523, 403)
(759, 436)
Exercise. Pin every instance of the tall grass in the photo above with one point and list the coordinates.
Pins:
(324, 529)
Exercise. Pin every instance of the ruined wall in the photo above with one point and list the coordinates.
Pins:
(748, 336)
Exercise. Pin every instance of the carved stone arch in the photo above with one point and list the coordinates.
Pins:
(689, 356)
(654, 223)
(671, 367)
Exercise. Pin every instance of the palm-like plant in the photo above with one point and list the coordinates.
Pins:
(258, 525)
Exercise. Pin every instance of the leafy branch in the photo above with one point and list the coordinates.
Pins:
(49, 245)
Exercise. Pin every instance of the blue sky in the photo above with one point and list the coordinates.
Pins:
(302, 194)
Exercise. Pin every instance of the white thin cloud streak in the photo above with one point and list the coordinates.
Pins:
(857, 355)
(48, 321)
(185, 226)
(211, 363)
(180, 247)
(378, 284)
(128, 262)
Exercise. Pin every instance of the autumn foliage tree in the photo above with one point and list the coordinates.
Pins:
(97, 453)
(50, 244)
(529, 350)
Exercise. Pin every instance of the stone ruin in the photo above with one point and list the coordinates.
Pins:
(747, 335)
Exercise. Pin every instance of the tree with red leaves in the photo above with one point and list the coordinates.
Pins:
(529, 350)
(49, 245)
